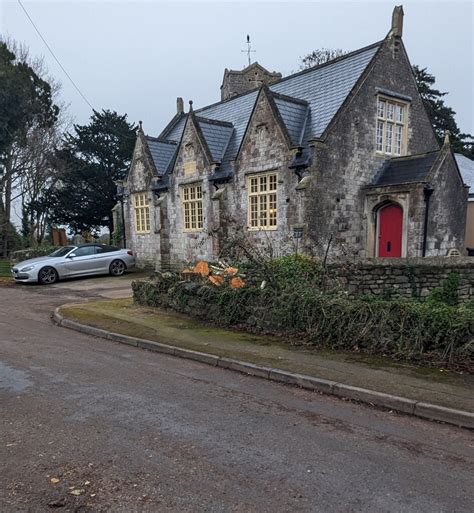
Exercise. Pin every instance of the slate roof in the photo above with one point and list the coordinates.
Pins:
(162, 153)
(313, 97)
(217, 135)
(414, 168)
(466, 167)
(325, 87)
(294, 114)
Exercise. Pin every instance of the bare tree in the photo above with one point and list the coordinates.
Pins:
(29, 165)
(320, 56)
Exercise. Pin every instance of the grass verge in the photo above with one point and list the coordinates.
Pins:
(376, 373)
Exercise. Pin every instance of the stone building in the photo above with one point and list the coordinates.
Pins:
(342, 154)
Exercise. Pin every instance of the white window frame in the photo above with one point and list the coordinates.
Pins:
(262, 201)
(192, 204)
(391, 131)
(141, 209)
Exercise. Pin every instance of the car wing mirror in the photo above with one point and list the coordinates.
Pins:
(71, 255)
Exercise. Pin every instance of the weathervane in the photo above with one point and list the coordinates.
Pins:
(249, 49)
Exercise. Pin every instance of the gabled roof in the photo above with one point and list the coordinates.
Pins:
(306, 102)
(466, 168)
(294, 114)
(410, 169)
(217, 135)
(174, 129)
(162, 153)
(325, 87)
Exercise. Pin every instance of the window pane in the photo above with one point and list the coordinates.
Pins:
(272, 209)
(199, 215)
(381, 109)
(272, 183)
(263, 184)
(388, 137)
(390, 110)
(263, 210)
(253, 211)
(380, 135)
(400, 113)
(398, 139)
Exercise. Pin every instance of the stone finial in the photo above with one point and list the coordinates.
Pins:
(179, 105)
(190, 105)
(397, 21)
(447, 135)
(140, 127)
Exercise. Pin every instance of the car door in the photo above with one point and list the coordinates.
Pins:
(102, 259)
(83, 261)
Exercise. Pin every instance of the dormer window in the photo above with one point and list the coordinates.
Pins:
(391, 133)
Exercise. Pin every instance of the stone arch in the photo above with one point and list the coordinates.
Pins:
(374, 206)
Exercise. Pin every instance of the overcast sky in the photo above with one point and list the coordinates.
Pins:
(137, 57)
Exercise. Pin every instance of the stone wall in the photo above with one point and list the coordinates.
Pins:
(405, 278)
(145, 245)
(252, 77)
(346, 160)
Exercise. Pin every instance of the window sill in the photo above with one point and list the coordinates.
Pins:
(262, 229)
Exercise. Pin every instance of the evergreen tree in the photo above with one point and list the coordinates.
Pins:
(93, 158)
(442, 117)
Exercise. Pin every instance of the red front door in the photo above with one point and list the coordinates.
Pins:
(390, 231)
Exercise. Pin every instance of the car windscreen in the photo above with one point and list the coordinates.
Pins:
(60, 252)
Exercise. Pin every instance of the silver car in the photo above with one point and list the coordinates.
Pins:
(73, 261)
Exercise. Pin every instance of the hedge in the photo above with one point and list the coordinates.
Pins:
(404, 329)
(26, 254)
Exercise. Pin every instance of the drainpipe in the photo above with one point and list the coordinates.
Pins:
(427, 192)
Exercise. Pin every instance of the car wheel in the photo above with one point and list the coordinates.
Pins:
(117, 268)
(47, 276)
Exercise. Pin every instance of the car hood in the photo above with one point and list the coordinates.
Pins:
(31, 261)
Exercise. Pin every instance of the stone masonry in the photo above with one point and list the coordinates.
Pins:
(316, 130)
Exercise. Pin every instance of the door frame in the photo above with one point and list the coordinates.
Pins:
(372, 205)
(377, 227)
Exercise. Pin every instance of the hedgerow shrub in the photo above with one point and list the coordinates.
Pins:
(26, 254)
(403, 328)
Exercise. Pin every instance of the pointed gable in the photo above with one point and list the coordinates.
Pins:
(306, 103)
(294, 115)
(162, 153)
(217, 135)
(325, 87)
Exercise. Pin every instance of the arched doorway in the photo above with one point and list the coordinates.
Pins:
(390, 231)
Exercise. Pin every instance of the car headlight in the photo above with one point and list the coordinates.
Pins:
(26, 269)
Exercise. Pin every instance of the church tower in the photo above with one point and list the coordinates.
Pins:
(251, 77)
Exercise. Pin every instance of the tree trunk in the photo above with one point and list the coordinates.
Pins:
(7, 208)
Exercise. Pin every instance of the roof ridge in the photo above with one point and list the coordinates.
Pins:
(414, 156)
(174, 120)
(285, 97)
(298, 73)
(214, 121)
(161, 140)
(327, 63)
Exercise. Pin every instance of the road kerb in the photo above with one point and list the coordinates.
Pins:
(401, 404)
(392, 402)
(244, 367)
(442, 414)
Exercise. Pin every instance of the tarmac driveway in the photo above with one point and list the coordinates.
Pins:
(90, 425)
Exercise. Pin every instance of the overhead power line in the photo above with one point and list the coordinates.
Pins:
(82, 95)
(54, 56)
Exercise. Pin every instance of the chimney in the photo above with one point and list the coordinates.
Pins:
(397, 21)
(179, 105)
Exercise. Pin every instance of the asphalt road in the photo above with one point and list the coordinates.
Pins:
(128, 430)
